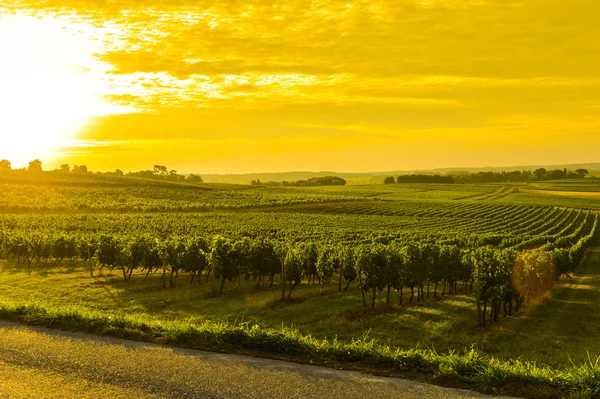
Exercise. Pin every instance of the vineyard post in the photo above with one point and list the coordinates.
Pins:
(214, 277)
(163, 253)
(362, 289)
(91, 261)
(478, 293)
(164, 271)
(283, 251)
(340, 256)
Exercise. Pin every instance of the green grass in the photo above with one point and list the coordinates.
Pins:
(469, 368)
(561, 329)
(334, 314)
(547, 351)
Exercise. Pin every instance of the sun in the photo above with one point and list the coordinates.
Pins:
(49, 85)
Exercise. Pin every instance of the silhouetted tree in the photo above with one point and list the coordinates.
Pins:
(514, 176)
(65, 168)
(425, 179)
(5, 165)
(160, 170)
(582, 172)
(389, 180)
(555, 174)
(35, 166)
(194, 179)
(318, 181)
(540, 173)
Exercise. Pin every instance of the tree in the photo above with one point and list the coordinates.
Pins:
(324, 266)
(65, 168)
(372, 266)
(107, 250)
(5, 165)
(152, 259)
(118, 172)
(160, 170)
(362, 261)
(347, 271)
(194, 179)
(125, 260)
(162, 248)
(437, 266)
(224, 258)
(394, 271)
(138, 249)
(294, 268)
(581, 172)
(35, 166)
(534, 273)
(389, 180)
(318, 181)
(413, 268)
(80, 169)
(540, 173)
(425, 179)
(193, 259)
(556, 174)
(310, 256)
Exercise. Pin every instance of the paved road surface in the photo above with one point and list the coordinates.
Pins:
(40, 363)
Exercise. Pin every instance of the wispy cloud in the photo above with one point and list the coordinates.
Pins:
(462, 72)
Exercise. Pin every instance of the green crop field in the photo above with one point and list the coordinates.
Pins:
(509, 272)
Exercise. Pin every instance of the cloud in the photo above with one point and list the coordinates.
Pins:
(251, 73)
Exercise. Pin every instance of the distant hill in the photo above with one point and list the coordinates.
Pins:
(592, 167)
(378, 177)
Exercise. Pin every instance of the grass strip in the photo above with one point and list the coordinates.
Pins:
(469, 369)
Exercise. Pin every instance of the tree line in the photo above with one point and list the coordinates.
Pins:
(540, 174)
(159, 172)
(419, 179)
(312, 182)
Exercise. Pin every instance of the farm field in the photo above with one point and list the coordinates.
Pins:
(496, 269)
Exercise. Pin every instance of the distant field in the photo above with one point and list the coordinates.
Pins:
(571, 194)
(576, 199)
(577, 185)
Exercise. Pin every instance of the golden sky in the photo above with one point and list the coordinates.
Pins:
(257, 86)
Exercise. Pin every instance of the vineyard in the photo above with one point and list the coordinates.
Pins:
(330, 260)
(506, 253)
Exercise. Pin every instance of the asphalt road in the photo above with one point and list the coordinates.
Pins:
(41, 363)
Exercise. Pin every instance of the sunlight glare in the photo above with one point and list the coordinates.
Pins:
(49, 85)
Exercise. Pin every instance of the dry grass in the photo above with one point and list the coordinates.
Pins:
(576, 194)
(262, 300)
